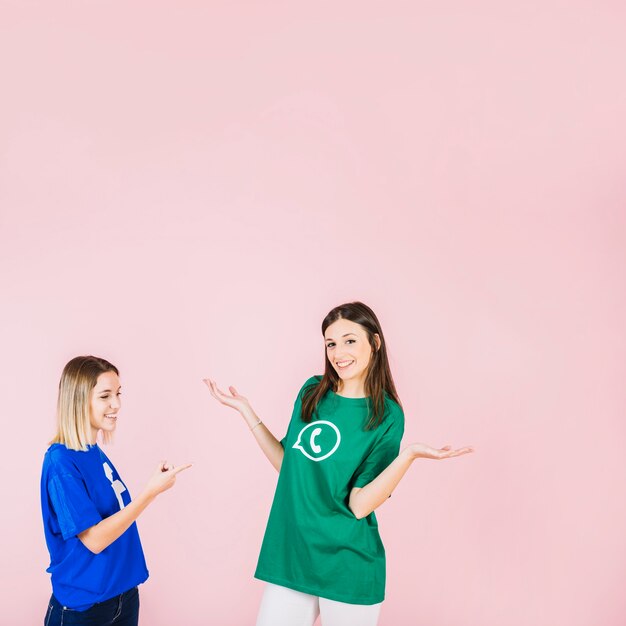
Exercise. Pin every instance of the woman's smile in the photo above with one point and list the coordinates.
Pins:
(344, 364)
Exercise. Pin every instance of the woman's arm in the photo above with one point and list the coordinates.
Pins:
(364, 500)
(104, 533)
(270, 446)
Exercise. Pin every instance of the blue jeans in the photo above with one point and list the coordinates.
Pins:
(122, 610)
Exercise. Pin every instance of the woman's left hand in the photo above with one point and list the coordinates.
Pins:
(424, 451)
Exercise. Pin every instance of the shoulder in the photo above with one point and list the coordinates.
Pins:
(394, 415)
(57, 454)
(392, 408)
(61, 460)
(313, 381)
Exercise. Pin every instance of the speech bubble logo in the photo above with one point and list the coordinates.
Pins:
(318, 440)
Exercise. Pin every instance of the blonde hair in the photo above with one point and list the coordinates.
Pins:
(79, 377)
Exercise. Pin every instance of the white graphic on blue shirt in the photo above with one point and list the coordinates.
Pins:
(118, 486)
(318, 440)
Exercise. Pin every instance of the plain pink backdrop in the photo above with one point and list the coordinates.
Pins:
(186, 189)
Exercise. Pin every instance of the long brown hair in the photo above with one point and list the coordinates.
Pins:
(79, 377)
(378, 379)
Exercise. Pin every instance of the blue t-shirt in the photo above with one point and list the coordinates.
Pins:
(79, 489)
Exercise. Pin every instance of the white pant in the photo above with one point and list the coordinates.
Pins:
(285, 607)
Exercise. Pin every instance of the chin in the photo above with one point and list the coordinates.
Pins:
(346, 377)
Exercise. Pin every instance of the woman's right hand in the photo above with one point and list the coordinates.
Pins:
(163, 478)
(272, 448)
(235, 400)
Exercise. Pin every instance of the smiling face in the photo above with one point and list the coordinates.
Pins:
(349, 351)
(104, 404)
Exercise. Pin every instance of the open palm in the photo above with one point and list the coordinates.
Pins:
(424, 451)
(233, 399)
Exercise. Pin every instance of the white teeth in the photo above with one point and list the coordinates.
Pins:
(344, 363)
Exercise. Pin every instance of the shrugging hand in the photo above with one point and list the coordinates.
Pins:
(271, 447)
(163, 478)
(235, 400)
(423, 451)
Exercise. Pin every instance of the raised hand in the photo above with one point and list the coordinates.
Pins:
(271, 447)
(234, 400)
(164, 478)
(423, 451)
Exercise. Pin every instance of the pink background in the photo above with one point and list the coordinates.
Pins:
(188, 187)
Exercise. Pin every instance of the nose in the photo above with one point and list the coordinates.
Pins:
(115, 402)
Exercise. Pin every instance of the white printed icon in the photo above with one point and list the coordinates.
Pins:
(118, 486)
(317, 449)
(322, 441)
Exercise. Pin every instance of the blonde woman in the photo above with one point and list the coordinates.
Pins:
(96, 559)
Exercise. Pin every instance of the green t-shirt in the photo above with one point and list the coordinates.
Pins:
(313, 542)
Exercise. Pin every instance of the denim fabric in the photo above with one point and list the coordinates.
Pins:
(122, 610)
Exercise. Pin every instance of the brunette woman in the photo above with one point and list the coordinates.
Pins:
(338, 462)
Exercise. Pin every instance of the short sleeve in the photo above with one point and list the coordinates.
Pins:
(384, 452)
(297, 407)
(74, 509)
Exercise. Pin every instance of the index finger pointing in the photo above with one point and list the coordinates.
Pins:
(180, 468)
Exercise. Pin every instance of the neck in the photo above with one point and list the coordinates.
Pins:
(353, 388)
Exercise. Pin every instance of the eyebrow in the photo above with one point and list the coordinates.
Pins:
(331, 339)
(107, 390)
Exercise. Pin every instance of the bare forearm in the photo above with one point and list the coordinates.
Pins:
(365, 500)
(270, 446)
(104, 533)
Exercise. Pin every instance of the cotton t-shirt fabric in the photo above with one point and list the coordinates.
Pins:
(78, 490)
(313, 542)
